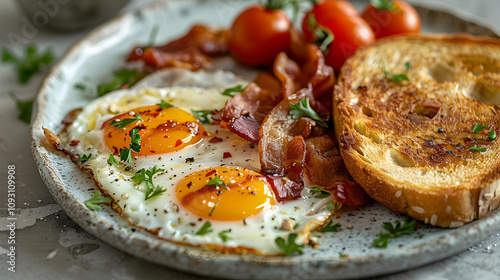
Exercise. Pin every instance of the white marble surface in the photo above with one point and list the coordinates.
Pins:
(51, 246)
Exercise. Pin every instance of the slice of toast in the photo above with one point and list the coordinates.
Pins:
(417, 146)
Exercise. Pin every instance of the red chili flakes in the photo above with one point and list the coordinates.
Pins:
(226, 155)
(338, 217)
(215, 140)
(74, 142)
(178, 143)
(211, 173)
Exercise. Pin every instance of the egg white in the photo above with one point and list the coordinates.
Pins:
(164, 215)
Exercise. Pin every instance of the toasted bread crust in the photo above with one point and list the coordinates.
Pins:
(408, 144)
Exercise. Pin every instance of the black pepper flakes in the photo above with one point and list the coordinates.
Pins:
(189, 160)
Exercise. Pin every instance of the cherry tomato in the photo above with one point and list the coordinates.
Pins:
(349, 33)
(325, 10)
(258, 35)
(401, 19)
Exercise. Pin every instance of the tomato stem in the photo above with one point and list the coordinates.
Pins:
(281, 4)
(384, 5)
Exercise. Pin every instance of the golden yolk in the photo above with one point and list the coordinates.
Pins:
(244, 194)
(161, 130)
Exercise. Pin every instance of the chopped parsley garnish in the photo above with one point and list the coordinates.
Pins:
(135, 145)
(476, 148)
(322, 192)
(112, 160)
(146, 176)
(408, 227)
(342, 255)
(492, 135)
(384, 5)
(289, 247)
(122, 78)
(164, 104)
(205, 229)
(24, 107)
(303, 109)
(323, 36)
(330, 227)
(98, 198)
(30, 64)
(202, 116)
(126, 155)
(232, 91)
(212, 209)
(80, 86)
(223, 236)
(333, 206)
(478, 127)
(395, 77)
(84, 158)
(152, 35)
(217, 182)
(123, 123)
(407, 66)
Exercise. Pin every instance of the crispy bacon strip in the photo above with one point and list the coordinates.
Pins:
(244, 113)
(289, 73)
(282, 147)
(193, 51)
(325, 167)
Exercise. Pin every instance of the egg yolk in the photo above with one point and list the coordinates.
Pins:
(161, 130)
(225, 193)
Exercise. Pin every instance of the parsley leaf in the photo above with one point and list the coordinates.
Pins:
(149, 190)
(24, 107)
(223, 236)
(303, 109)
(408, 227)
(333, 206)
(202, 115)
(396, 77)
(84, 158)
(407, 66)
(343, 255)
(206, 228)
(232, 91)
(164, 104)
(126, 155)
(478, 127)
(112, 159)
(492, 135)
(476, 148)
(212, 209)
(330, 227)
(384, 5)
(31, 64)
(122, 78)
(291, 247)
(80, 86)
(123, 123)
(322, 192)
(217, 182)
(135, 143)
(98, 198)
(152, 35)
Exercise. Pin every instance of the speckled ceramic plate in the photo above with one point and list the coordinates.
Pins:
(103, 51)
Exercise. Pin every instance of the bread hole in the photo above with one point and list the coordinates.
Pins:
(367, 160)
(479, 64)
(400, 159)
(375, 137)
(367, 111)
(482, 92)
(441, 73)
(360, 128)
(358, 149)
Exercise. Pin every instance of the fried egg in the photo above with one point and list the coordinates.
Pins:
(204, 184)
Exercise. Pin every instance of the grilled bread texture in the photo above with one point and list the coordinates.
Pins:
(427, 145)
